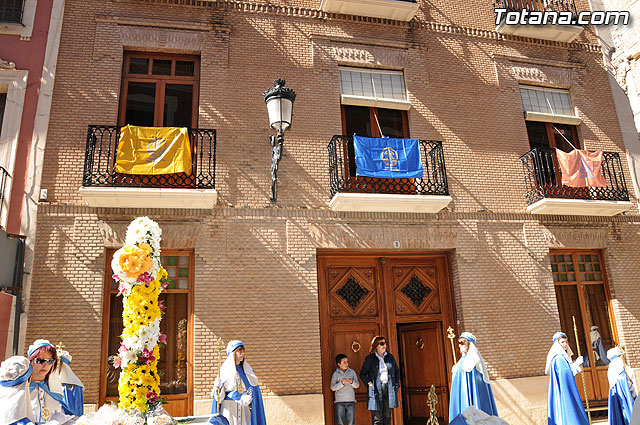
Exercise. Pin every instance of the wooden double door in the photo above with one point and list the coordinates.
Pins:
(408, 299)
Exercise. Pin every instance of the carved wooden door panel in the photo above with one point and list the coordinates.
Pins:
(353, 292)
(415, 290)
(350, 310)
(421, 307)
(402, 297)
(422, 357)
(354, 340)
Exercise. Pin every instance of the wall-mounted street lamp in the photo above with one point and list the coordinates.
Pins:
(279, 100)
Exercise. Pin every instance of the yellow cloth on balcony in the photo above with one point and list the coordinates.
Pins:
(153, 150)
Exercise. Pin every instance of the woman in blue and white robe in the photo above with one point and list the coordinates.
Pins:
(470, 383)
(238, 387)
(47, 400)
(622, 389)
(564, 404)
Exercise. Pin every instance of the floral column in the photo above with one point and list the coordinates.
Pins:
(141, 277)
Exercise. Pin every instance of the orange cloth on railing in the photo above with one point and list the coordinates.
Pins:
(153, 150)
(581, 168)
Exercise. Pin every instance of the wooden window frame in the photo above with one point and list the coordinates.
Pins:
(373, 110)
(161, 81)
(573, 253)
(408, 187)
(106, 308)
(551, 134)
(375, 131)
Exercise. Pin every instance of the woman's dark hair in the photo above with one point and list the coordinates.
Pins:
(374, 343)
(339, 358)
(54, 355)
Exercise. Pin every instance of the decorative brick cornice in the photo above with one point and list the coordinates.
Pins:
(302, 12)
(158, 23)
(325, 214)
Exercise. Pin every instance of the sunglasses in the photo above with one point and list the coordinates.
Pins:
(382, 343)
(40, 361)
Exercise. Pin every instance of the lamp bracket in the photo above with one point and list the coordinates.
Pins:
(276, 155)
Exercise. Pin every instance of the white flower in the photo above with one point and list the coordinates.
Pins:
(143, 334)
(143, 229)
(128, 356)
(133, 344)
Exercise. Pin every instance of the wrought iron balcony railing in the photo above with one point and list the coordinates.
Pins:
(537, 5)
(342, 172)
(102, 150)
(542, 178)
(11, 11)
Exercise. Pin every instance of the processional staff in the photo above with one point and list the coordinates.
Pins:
(584, 382)
(451, 335)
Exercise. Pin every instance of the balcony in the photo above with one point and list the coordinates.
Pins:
(399, 10)
(102, 186)
(429, 194)
(547, 195)
(560, 33)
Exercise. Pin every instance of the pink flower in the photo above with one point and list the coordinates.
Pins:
(163, 339)
(121, 288)
(147, 356)
(122, 349)
(161, 305)
(117, 362)
(115, 277)
(165, 285)
(152, 397)
(144, 277)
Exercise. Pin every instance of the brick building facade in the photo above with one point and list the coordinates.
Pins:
(255, 269)
(29, 38)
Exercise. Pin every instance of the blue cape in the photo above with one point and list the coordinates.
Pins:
(620, 402)
(468, 388)
(564, 405)
(257, 407)
(25, 421)
(73, 400)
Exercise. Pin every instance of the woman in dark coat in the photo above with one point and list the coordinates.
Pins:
(381, 374)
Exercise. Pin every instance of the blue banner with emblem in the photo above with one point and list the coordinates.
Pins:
(387, 158)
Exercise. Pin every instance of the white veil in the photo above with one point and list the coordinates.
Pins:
(556, 349)
(228, 368)
(473, 358)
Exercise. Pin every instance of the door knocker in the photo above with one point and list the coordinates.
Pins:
(355, 346)
(420, 343)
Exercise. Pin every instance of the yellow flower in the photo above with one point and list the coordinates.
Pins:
(140, 308)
